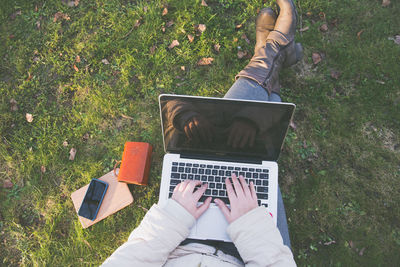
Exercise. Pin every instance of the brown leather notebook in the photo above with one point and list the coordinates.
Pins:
(135, 165)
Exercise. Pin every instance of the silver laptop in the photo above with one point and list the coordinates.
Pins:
(209, 139)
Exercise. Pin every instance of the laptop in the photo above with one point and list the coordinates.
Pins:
(209, 139)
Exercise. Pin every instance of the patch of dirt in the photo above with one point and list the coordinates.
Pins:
(384, 136)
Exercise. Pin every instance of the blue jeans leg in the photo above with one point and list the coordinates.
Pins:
(248, 89)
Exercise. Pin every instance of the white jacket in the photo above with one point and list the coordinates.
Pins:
(155, 242)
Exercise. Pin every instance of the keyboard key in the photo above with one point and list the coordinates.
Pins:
(235, 172)
(190, 176)
(258, 182)
(197, 177)
(224, 199)
(215, 192)
(248, 175)
(265, 182)
(262, 189)
(188, 170)
(195, 165)
(174, 169)
(204, 178)
(263, 176)
(259, 202)
(194, 170)
(221, 173)
(223, 167)
(181, 169)
(183, 176)
(174, 163)
(228, 173)
(221, 193)
(258, 170)
(170, 194)
(224, 186)
(171, 188)
(211, 178)
(181, 164)
(219, 186)
(209, 166)
(175, 175)
(216, 167)
(262, 196)
(208, 171)
(230, 168)
(244, 169)
(255, 175)
(201, 171)
(211, 185)
(208, 192)
(218, 179)
(237, 168)
(188, 164)
(251, 169)
(265, 205)
(202, 165)
(241, 173)
(264, 170)
(214, 172)
(174, 182)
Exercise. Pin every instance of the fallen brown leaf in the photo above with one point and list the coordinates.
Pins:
(241, 54)
(29, 117)
(316, 58)
(170, 23)
(309, 14)
(203, 3)
(153, 49)
(217, 47)
(244, 37)
(72, 154)
(335, 74)
(359, 34)
(76, 2)
(173, 44)
(165, 11)
(183, 68)
(190, 37)
(137, 23)
(163, 29)
(200, 28)
(238, 26)
(385, 3)
(322, 15)
(323, 27)
(293, 125)
(7, 183)
(330, 243)
(76, 68)
(205, 61)
(43, 169)
(87, 243)
(60, 15)
(304, 29)
(38, 24)
(361, 252)
(13, 104)
(351, 244)
(65, 144)
(105, 61)
(77, 59)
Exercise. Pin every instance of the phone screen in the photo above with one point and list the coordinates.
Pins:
(93, 198)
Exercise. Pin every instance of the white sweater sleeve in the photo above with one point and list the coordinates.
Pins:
(159, 233)
(258, 240)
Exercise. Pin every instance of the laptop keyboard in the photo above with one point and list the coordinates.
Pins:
(215, 176)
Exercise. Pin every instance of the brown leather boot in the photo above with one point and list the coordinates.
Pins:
(268, 59)
(265, 23)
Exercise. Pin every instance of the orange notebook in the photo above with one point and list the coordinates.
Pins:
(135, 165)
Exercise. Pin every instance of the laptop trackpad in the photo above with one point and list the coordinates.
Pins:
(211, 225)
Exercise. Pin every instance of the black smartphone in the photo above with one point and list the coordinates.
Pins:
(92, 201)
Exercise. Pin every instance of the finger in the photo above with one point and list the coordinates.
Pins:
(182, 186)
(238, 187)
(224, 209)
(203, 207)
(253, 191)
(191, 185)
(231, 192)
(245, 187)
(197, 195)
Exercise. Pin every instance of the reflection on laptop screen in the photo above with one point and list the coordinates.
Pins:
(223, 127)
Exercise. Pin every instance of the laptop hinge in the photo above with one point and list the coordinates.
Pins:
(226, 158)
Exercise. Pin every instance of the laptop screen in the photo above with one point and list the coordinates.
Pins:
(224, 127)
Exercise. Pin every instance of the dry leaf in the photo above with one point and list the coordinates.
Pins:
(351, 244)
(173, 44)
(217, 47)
(29, 117)
(304, 29)
(241, 54)
(359, 34)
(190, 37)
(38, 24)
(76, 2)
(7, 183)
(380, 82)
(335, 74)
(330, 243)
(244, 37)
(29, 77)
(170, 23)
(205, 61)
(323, 27)
(203, 3)
(163, 29)
(43, 169)
(316, 58)
(293, 125)
(145, 9)
(165, 11)
(200, 28)
(87, 243)
(309, 14)
(105, 61)
(72, 154)
(385, 3)
(85, 137)
(397, 39)
(76, 68)
(77, 59)
(238, 26)
(65, 144)
(361, 252)
(183, 68)
(13, 105)
(153, 49)
(235, 40)
(322, 15)
(60, 15)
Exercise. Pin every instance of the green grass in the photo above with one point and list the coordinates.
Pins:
(340, 168)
